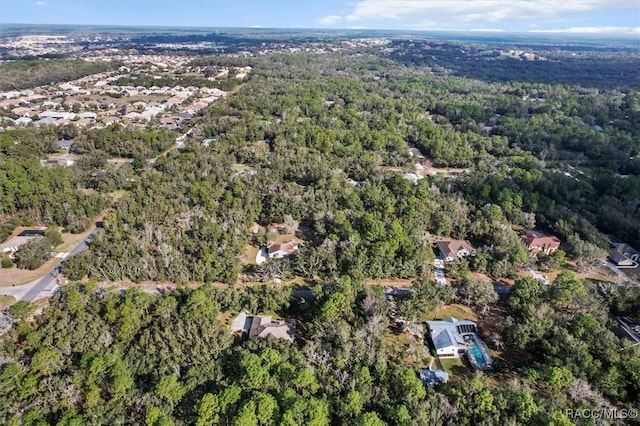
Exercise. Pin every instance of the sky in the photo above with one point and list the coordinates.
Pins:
(620, 17)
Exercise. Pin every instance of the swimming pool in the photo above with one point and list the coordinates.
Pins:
(478, 356)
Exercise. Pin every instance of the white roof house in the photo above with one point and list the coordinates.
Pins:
(58, 114)
(448, 335)
(89, 115)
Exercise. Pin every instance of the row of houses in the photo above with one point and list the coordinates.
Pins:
(535, 242)
(71, 103)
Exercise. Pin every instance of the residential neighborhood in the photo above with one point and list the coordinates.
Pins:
(100, 100)
(331, 226)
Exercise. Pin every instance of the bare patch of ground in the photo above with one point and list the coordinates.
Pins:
(250, 253)
(14, 276)
(447, 172)
(391, 282)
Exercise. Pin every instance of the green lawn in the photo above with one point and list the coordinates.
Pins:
(457, 311)
(455, 367)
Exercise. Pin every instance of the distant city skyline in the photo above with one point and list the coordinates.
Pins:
(620, 17)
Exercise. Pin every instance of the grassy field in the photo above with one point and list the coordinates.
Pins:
(392, 282)
(450, 364)
(250, 254)
(6, 301)
(460, 312)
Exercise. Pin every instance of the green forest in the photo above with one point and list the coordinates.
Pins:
(100, 356)
(25, 74)
(321, 143)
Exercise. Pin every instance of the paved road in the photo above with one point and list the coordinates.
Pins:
(47, 284)
(17, 292)
(616, 270)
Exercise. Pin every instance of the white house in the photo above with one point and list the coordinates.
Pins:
(23, 121)
(277, 251)
(452, 338)
(448, 336)
(58, 114)
(89, 115)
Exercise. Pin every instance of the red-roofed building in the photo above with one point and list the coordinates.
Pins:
(456, 249)
(536, 242)
(279, 250)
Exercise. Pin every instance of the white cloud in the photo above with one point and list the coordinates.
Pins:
(256, 26)
(487, 30)
(330, 20)
(430, 14)
(41, 3)
(592, 30)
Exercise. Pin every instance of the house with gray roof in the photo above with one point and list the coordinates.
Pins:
(453, 338)
(262, 326)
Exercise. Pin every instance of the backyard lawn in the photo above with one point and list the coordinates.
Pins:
(460, 312)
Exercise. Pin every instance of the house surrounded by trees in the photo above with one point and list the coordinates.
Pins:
(536, 242)
(455, 249)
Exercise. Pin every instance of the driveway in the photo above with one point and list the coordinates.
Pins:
(538, 276)
(438, 266)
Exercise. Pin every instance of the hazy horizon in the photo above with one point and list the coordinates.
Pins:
(615, 17)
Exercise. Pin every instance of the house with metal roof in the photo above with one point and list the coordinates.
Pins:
(456, 338)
